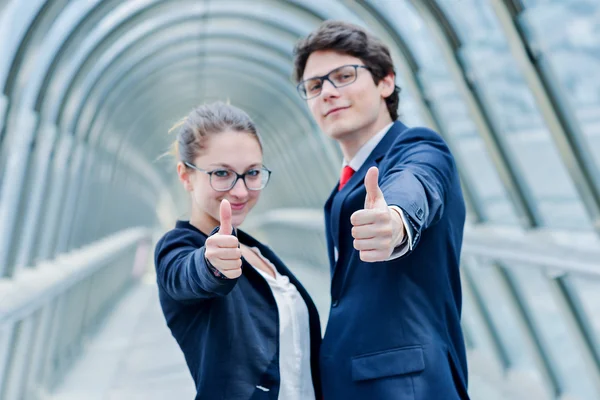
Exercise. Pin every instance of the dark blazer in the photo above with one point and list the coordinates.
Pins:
(394, 327)
(228, 329)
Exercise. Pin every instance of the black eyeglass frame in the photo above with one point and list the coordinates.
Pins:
(326, 78)
(237, 176)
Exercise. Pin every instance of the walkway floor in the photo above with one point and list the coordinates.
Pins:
(133, 356)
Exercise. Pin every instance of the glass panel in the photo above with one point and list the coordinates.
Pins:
(566, 33)
(408, 111)
(588, 290)
(514, 113)
(450, 108)
(554, 332)
(474, 323)
(503, 313)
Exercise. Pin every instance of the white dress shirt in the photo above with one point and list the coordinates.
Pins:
(294, 337)
(357, 162)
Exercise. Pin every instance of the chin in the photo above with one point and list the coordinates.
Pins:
(338, 132)
(338, 129)
(238, 220)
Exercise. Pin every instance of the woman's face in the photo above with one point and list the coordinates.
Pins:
(230, 150)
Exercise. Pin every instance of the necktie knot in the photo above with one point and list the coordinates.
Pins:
(347, 173)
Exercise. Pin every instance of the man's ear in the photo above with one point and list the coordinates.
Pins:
(387, 85)
(184, 176)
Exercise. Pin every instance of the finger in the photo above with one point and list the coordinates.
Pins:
(375, 230)
(374, 194)
(365, 244)
(373, 256)
(364, 231)
(223, 241)
(227, 265)
(232, 274)
(225, 218)
(228, 254)
(376, 243)
(363, 217)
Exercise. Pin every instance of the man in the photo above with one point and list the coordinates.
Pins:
(394, 227)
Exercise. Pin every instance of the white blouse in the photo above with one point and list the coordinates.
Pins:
(294, 337)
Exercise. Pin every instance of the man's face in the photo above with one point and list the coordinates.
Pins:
(343, 113)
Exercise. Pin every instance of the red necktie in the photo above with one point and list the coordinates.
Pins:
(347, 173)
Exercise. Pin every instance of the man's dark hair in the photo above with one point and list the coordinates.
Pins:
(347, 38)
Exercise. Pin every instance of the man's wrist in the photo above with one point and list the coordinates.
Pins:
(398, 223)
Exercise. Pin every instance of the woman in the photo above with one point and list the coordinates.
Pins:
(246, 326)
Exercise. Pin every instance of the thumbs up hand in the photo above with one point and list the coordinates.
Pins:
(222, 248)
(376, 229)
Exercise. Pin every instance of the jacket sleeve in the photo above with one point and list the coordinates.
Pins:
(182, 270)
(420, 173)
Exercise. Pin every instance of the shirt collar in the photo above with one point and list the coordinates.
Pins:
(366, 149)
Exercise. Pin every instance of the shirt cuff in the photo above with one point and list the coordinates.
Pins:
(407, 242)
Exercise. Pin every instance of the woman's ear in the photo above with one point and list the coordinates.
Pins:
(184, 176)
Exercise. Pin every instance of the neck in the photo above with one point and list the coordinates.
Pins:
(351, 144)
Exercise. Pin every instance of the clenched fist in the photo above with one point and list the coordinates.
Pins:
(222, 248)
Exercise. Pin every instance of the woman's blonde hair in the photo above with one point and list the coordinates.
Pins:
(205, 120)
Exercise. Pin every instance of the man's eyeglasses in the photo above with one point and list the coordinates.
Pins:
(339, 77)
(223, 180)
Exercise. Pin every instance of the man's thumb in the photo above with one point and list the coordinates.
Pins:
(372, 187)
(225, 216)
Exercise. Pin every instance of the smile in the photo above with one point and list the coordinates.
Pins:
(335, 110)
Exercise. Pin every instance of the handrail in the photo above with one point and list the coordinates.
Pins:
(532, 248)
(34, 287)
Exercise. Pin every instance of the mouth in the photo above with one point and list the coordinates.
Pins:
(335, 110)
(237, 206)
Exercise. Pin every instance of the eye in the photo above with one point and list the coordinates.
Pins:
(253, 172)
(343, 76)
(314, 86)
(221, 173)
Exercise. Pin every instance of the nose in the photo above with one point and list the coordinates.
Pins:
(239, 189)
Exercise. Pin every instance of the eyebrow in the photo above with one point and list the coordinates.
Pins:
(326, 73)
(227, 166)
(316, 76)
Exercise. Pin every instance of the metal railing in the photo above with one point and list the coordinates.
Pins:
(47, 312)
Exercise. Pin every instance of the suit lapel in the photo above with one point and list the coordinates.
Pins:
(329, 233)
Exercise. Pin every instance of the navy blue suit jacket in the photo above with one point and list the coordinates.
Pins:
(228, 329)
(394, 326)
